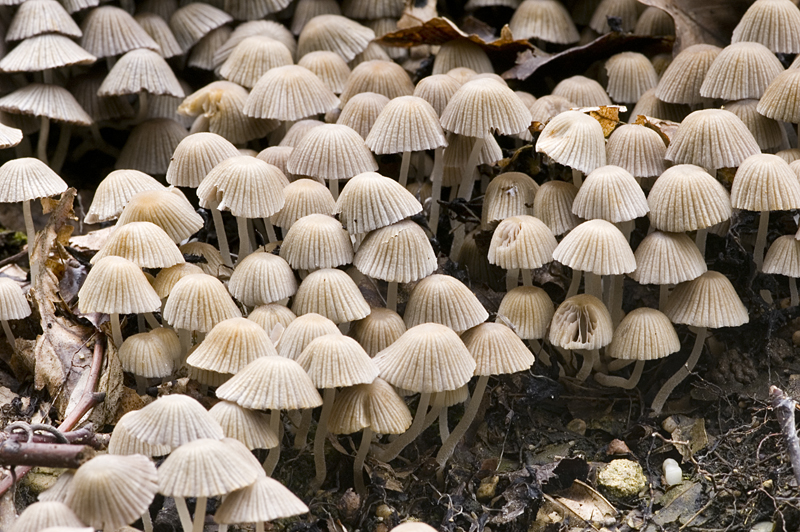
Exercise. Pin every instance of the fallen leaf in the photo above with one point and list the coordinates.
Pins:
(111, 383)
(606, 115)
(688, 434)
(665, 128)
(586, 503)
(679, 505)
(93, 240)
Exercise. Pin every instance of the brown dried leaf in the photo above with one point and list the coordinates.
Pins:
(583, 501)
(111, 383)
(607, 115)
(665, 128)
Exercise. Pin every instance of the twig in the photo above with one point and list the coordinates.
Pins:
(88, 400)
(83, 436)
(60, 455)
(14, 258)
(784, 407)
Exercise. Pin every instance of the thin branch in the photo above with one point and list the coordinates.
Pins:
(59, 455)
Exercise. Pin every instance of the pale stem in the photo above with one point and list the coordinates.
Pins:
(617, 283)
(468, 173)
(391, 296)
(222, 528)
(151, 320)
(333, 186)
(700, 240)
(319, 438)
(512, 279)
(795, 300)
(275, 453)
(271, 236)
(437, 405)
(449, 445)
(251, 233)
(539, 353)
(44, 133)
(593, 286)
(575, 283)
(589, 358)
(183, 513)
(444, 428)
(244, 239)
(146, 521)
(358, 465)
(140, 323)
(219, 227)
(9, 335)
(116, 331)
(260, 526)
(527, 277)
(61, 148)
(683, 371)
(199, 514)
(621, 382)
(391, 451)
(577, 178)
(761, 239)
(185, 338)
(436, 189)
(663, 295)
(459, 233)
(141, 385)
(301, 436)
(30, 230)
(619, 363)
(143, 105)
(406, 162)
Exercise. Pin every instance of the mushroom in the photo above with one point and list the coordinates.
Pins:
(582, 322)
(582, 91)
(521, 243)
(13, 306)
(330, 67)
(547, 21)
(44, 514)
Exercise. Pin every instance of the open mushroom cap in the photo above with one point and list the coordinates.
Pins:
(301, 331)
(276, 383)
(764, 182)
(195, 156)
(316, 241)
(141, 70)
(264, 500)
(117, 285)
(110, 31)
(707, 301)
(36, 17)
(767, 131)
(114, 192)
(437, 90)
(581, 322)
(521, 242)
(690, 190)
(303, 198)
(644, 334)
(246, 186)
(173, 420)
(406, 124)
(630, 74)
(167, 208)
(13, 305)
(361, 111)
(497, 350)
(375, 405)
(289, 92)
(331, 152)
(334, 33)
(125, 443)
(331, 293)
(43, 52)
(146, 355)
(637, 149)
(667, 258)
(272, 315)
(712, 138)
(741, 70)
(370, 201)
(444, 300)
(583, 91)
(574, 139)
(231, 345)
(596, 246)
(399, 253)
(548, 106)
(262, 278)
(158, 29)
(250, 427)
(527, 310)
(143, 243)
(378, 331)
(773, 23)
(27, 179)
(461, 53)
(150, 145)
(681, 81)
(194, 21)
(783, 257)
(252, 57)
(198, 302)
(482, 106)
(379, 76)
(610, 193)
(330, 67)
(270, 28)
(547, 20)
(779, 100)
(334, 361)
(508, 194)
(45, 514)
(44, 100)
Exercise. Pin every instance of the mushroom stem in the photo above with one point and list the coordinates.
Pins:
(444, 428)
(449, 445)
(589, 357)
(244, 239)
(30, 230)
(151, 320)
(319, 438)
(146, 521)
(271, 236)
(436, 189)
(185, 338)
(577, 178)
(222, 239)
(621, 382)
(61, 148)
(663, 294)
(406, 162)
(575, 283)
(333, 186)
(391, 451)
(619, 363)
(593, 285)
(391, 296)
(141, 385)
(260, 526)
(468, 174)
(700, 240)
(358, 464)
(512, 279)
(116, 331)
(199, 514)
(9, 337)
(275, 453)
(301, 436)
(794, 299)
(141, 115)
(615, 299)
(41, 146)
(140, 323)
(183, 514)
(683, 371)
(761, 239)
(527, 277)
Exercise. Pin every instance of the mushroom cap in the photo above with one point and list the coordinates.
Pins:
(712, 138)
(125, 443)
(111, 491)
(27, 179)
(329, 67)
(547, 20)
(167, 208)
(553, 205)
(667, 258)
(497, 350)
(44, 514)
(375, 405)
(289, 92)
(406, 124)
(150, 145)
(158, 29)
(51, 101)
(271, 315)
(548, 106)
(445, 300)
(173, 420)
(231, 345)
(303, 198)
(574, 139)
(117, 286)
(115, 191)
(331, 293)
(204, 468)
(13, 305)
(681, 81)
(252, 10)
(783, 257)
(35, 17)
(305, 10)
(767, 132)
(297, 133)
(167, 277)
(773, 23)
(370, 201)
(84, 89)
(146, 355)
(377, 331)
(522, 242)
(581, 322)
(276, 383)
(198, 302)
(779, 100)
(654, 22)
(143, 243)
(459, 148)
(195, 156)
(262, 278)
(211, 259)
(644, 334)
(334, 360)
(398, 253)
(596, 246)
(707, 301)
(141, 70)
(252, 57)
(689, 190)
(427, 358)
(764, 182)
(331, 152)
(482, 106)
(612, 194)
(361, 111)
(203, 52)
(301, 331)
(43, 52)
(316, 241)
(334, 33)
(461, 74)
(270, 28)
(264, 500)
(528, 310)
(194, 21)
(372, 9)
(583, 91)
(741, 70)
(277, 156)
(110, 31)
(246, 186)
(383, 77)
(250, 427)
(650, 105)
(460, 52)
(436, 90)
(508, 194)
(638, 149)
(630, 74)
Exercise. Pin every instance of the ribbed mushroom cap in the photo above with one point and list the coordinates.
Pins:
(203, 53)
(27, 178)
(372, 9)
(553, 206)
(574, 139)
(331, 152)
(546, 107)
(110, 31)
(612, 194)
(198, 302)
(547, 20)
(445, 300)
(141, 70)
(125, 443)
(45, 514)
(301, 331)
(231, 345)
(289, 92)
(209, 378)
(765, 182)
(398, 253)
(167, 209)
(508, 194)
(331, 293)
(667, 258)
(158, 29)
(741, 70)
(375, 405)
(117, 285)
(271, 383)
(150, 145)
(712, 138)
(681, 81)
(626, 10)
(773, 23)
(581, 322)
(305, 10)
(370, 201)
(686, 198)
(437, 91)
(115, 191)
(361, 111)
(482, 106)
(146, 355)
(334, 360)
(262, 278)
(783, 257)
(707, 301)
(271, 315)
(51, 101)
(269, 28)
(334, 33)
(167, 277)
(297, 133)
(264, 500)
(596, 246)
(459, 148)
(316, 241)
(767, 132)
(84, 89)
(654, 22)
(378, 331)
(461, 74)
(211, 259)
(650, 105)
(13, 305)
(638, 149)
(461, 53)
(521, 242)
(43, 52)
(56, 492)
(644, 334)
(204, 468)
(248, 426)
(304, 197)
(143, 243)
(173, 420)
(427, 358)
(252, 58)
(329, 67)
(9, 136)
(497, 350)
(35, 17)
(196, 156)
(582, 91)
(527, 310)
(111, 491)
(276, 156)
(194, 21)
(780, 98)
(382, 77)
(406, 124)
(630, 75)
(254, 9)
(246, 186)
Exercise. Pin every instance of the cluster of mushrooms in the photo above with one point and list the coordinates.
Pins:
(282, 326)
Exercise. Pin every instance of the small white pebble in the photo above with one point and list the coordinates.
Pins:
(672, 472)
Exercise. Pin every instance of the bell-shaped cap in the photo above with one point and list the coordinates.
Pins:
(521, 242)
(574, 139)
(230, 346)
(330, 293)
(581, 322)
(644, 334)
(612, 194)
(446, 300)
(689, 190)
(707, 301)
(483, 106)
(497, 350)
(375, 405)
(398, 253)
(667, 258)
(527, 310)
(370, 201)
(198, 302)
(275, 383)
(596, 246)
(712, 138)
(117, 286)
(334, 361)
